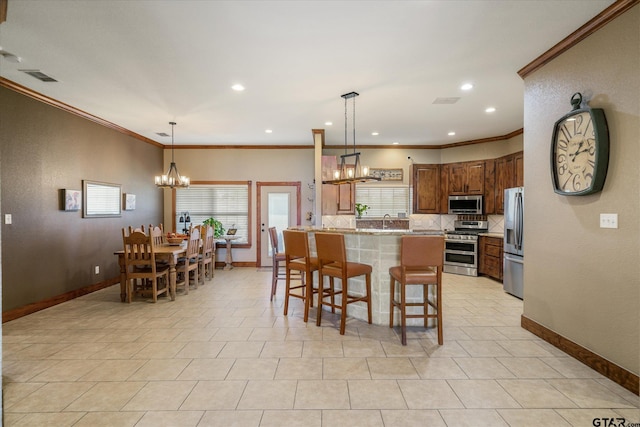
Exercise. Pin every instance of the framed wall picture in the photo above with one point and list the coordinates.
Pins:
(72, 200)
(387, 174)
(101, 199)
(129, 201)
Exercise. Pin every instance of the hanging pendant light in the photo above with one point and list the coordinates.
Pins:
(172, 178)
(350, 172)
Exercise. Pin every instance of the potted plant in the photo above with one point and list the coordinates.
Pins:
(218, 229)
(360, 208)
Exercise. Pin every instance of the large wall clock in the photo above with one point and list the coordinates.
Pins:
(580, 150)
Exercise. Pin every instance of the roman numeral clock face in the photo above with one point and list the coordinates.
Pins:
(575, 153)
(580, 151)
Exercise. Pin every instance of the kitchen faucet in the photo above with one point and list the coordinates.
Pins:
(384, 219)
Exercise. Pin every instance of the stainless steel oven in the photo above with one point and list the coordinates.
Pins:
(461, 247)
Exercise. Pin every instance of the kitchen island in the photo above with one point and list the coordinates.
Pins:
(381, 250)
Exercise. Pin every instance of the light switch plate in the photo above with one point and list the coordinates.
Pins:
(609, 220)
(7, 219)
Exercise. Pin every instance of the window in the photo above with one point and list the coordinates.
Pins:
(384, 199)
(228, 203)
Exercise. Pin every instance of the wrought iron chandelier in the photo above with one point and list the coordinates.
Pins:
(172, 178)
(350, 172)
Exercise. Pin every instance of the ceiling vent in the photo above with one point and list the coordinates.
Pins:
(39, 75)
(451, 100)
(162, 134)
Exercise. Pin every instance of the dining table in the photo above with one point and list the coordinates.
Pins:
(165, 252)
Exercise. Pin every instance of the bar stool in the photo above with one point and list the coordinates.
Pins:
(276, 258)
(332, 262)
(297, 258)
(421, 260)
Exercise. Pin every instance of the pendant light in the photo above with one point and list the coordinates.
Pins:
(172, 179)
(350, 172)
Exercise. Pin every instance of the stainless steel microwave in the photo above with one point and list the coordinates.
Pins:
(469, 204)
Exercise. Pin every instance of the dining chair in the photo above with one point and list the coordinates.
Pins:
(157, 233)
(207, 253)
(187, 266)
(332, 262)
(421, 259)
(277, 257)
(140, 263)
(298, 260)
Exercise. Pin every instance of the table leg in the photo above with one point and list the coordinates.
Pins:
(123, 279)
(228, 260)
(172, 281)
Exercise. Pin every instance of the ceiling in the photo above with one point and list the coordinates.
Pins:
(140, 64)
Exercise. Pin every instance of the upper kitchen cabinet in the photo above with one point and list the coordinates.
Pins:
(339, 199)
(466, 178)
(509, 173)
(426, 189)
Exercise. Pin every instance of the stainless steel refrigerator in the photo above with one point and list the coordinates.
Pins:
(513, 241)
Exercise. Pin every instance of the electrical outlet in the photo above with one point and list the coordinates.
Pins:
(96, 269)
(609, 220)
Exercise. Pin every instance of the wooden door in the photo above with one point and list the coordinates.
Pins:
(457, 178)
(519, 169)
(475, 178)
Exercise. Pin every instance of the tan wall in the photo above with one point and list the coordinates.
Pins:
(581, 281)
(265, 165)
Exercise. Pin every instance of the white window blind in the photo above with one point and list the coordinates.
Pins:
(228, 203)
(384, 199)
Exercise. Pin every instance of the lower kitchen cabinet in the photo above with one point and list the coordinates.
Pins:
(490, 254)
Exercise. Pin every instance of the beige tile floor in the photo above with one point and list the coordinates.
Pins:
(224, 355)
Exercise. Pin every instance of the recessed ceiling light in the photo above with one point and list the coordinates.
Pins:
(395, 143)
(237, 87)
(490, 110)
(268, 131)
(451, 133)
(328, 123)
(375, 133)
(466, 86)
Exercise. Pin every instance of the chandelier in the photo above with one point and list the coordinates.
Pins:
(350, 172)
(172, 178)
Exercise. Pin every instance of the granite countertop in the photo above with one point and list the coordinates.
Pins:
(372, 231)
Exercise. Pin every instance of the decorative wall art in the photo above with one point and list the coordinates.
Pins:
(72, 200)
(387, 174)
(129, 202)
(101, 199)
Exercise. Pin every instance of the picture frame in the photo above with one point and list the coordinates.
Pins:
(387, 174)
(71, 200)
(101, 199)
(129, 202)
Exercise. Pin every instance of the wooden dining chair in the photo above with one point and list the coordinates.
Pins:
(421, 259)
(299, 262)
(187, 266)
(140, 264)
(157, 234)
(207, 253)
(277, 261)
(332, 262)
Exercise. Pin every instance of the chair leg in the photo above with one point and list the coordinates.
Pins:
(154, 289)
(369, 297)
(439, 313)
(320, 297)
(287, 286)
(333, 295)
(274, 277)
(391, 304)
(425, 294)
(308, 293)
(403, 313)
(343, 314)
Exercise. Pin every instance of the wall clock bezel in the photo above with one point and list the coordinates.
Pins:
(601, 158)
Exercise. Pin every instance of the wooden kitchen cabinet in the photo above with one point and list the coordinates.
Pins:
(489, 198)
(338, 199)
(490, 257)
(444, 189)
(426, 189)
(466, 178)
(509, 173)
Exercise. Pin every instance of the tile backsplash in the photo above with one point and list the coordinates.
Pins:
(416, 222)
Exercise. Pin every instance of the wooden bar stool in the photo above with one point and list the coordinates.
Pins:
(297, 258)
(277, 257)
(332, 262)
(421, 260)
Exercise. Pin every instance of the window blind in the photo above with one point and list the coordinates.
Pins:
(228, 203)
(384, 199)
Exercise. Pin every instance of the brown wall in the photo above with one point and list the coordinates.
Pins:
(582, 281)
(46, 251)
